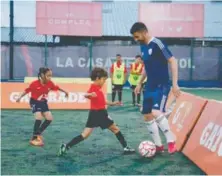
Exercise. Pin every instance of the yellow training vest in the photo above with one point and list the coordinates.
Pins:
(135, 78)
(118, 74)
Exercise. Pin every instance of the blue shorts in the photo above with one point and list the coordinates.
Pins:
(38, 106)
(155, 99)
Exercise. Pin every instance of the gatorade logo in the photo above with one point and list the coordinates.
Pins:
(182, 112)
(135, 78)
(211, 138)
(118, 76)
(53, 97)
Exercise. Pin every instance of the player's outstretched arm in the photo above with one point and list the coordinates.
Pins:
(174, 69)
(20, 97)
(90, 95)
(66, 93)
(26, 91)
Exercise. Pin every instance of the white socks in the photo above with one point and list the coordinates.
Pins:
(154, 132)
(165, 128)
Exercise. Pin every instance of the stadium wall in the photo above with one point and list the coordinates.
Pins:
(200, 68)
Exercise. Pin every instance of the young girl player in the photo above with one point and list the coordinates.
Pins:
(98, 116)
(39, 90)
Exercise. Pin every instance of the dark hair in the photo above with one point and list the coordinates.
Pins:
(137, 27)
(98, 72)
(43, 70)
(118, 55)
(138, 56)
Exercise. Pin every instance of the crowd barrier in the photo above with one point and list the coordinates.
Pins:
(56, 100)
(184, 116)
(204, 146)
(197, 126)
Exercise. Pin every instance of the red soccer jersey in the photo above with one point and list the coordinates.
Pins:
(118, 65)
(40, 91)
(98, 102)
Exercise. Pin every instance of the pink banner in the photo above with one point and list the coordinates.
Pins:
(173, 20)
(69, 18)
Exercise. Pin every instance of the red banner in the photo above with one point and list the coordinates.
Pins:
(69, 18)
(173, 20)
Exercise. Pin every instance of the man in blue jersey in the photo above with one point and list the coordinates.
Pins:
(156, 57)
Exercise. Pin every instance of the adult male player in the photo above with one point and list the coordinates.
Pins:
(156, 57)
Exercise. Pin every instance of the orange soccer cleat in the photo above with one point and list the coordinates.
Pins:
(36, 142)
(40, 138)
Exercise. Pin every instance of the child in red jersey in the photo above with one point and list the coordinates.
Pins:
(38, 102)
(98, 116)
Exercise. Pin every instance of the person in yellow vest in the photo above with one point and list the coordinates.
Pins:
(136, 69)
(118, 75)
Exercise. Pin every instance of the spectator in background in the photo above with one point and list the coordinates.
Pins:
(118, 76)
(136, 69)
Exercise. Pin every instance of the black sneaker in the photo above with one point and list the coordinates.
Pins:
(128, 150)
(62, 150)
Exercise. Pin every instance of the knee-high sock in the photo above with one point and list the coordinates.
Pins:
(44, 125)
(154, 132)
(165, 128)
(121, 139)
(74, 141)
(36, 128)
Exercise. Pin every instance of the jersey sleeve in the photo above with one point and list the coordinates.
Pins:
(30, 88)
(164, 50)
(90, 90)
(54, 86)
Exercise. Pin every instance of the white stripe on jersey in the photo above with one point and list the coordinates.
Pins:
(163, 102)
(162, 47)
(159, 43)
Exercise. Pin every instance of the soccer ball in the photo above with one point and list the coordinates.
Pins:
(147, 149)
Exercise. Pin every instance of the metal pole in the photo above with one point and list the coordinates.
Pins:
(220, 67)
(90, 53)
(11, 39)
(191, 58)
(46, 52)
